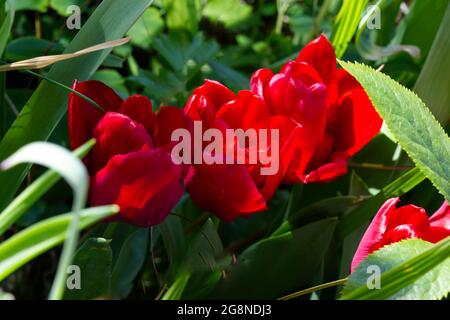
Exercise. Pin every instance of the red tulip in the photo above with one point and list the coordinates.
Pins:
(130, 165)
(232, 190)
(336, 116)
(392, 224)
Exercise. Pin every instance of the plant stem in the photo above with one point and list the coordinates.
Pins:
(312, 289)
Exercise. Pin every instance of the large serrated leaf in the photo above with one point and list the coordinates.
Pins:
(278, 265)
(434, 284)
(411, 123)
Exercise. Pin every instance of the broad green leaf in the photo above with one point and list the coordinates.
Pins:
(420, 25)
(278, 265)
(411, 270)
(203, 249)
(231, 13)
(94, 258)
(433, 84)
(43, 236)
(363, 213)
(346, 24)
(30, 47)
(146, 28)
(129, 262)
(34, 192)
(110, 21)
(174, 241)
(330, 207)
(410, 122)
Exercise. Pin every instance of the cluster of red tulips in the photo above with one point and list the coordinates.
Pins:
(323, 116)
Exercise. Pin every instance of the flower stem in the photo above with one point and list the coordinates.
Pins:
(312, 289)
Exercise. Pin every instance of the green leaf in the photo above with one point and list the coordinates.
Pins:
(113, 79)
(434, 80)
(43, 236)
(410, 122)
(411, 270)
(35, 191)
(35, 5)
(262, 272)
(231, 12)
(61, 6)
(73, 171)
(174, 241)
(183, 14)
(420, 25)
(346, 24)
(94, 258)
(6, 24)
(129, 262)
(146, 28)
(363, 213)
(30, 47)
(110, 21)
(326, 208)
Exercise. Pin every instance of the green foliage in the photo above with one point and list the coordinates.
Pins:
(32, 242)
(258, 275)
(37, 123)
(231, 13)
(412, 270)
(411, 123)
(94, 258)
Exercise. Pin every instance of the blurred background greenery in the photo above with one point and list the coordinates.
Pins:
(175, 45)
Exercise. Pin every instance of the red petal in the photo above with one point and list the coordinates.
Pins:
(320, 54)
(145, 184)
(83, 116)
(216, 93)
(286, 94)
(226, 190)
(375, 231)
(327, 172)
(255, 111)
(289, 134)
(303, 72)
(441, 218)
(356, 122)
(260, 82)
(117, 134)
(167, 120)
(436, 234)
(140, 109)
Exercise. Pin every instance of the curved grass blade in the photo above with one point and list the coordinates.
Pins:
(41, 237)
(76, 175)
(37, 189)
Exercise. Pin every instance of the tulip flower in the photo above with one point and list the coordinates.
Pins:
(336, 116)
(392, 224)
(235, 189)
(131, 164)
